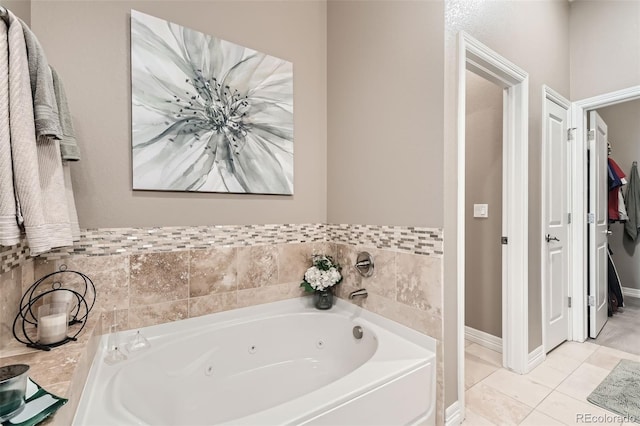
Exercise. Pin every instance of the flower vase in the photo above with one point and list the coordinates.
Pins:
(323, 299)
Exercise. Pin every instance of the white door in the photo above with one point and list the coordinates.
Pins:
(598, 192)
(555, 217)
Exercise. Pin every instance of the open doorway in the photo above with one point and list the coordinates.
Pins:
(514, 85)
(483, 222)
(622, 329)
(484, 228)
(585, 274)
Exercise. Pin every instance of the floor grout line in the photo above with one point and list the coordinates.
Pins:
(567, 375)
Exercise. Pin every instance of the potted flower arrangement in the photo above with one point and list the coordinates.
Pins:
(319, 278)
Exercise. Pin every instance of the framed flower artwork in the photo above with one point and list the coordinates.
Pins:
(208, 115)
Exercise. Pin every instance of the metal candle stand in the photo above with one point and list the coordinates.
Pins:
(85, 297)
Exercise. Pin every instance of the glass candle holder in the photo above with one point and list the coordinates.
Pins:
(64, 296)
(13, 386)
(52, 323)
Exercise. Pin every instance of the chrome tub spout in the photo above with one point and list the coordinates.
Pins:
(358, 293)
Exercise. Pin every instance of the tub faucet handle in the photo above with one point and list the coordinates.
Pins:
(362, 292)
(364, 264)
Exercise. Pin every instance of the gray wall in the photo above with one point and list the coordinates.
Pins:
(483, 185)
(371, 146)
(624, 134)
(385, 67)
(88, 43)
(605, 46)
(21, 8)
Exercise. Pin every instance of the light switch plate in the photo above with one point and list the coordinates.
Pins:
(480, 210)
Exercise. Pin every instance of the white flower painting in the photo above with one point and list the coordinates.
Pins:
(208, 115)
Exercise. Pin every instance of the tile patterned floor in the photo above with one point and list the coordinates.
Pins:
(621, 330)
(554, 393)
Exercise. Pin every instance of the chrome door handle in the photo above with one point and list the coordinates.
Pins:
(607, 232)
(549, 238)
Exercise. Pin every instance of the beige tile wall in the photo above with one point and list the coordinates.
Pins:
(153, 288)
(406, 288)
(11, 290)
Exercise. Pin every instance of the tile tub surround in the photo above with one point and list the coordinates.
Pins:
(157, 275)
(12, 284)
(154, 288)
(405, 287)
(63, 370)
(106, 255)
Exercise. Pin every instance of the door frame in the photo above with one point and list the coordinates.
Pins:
(480, 59)
(549, 94)
(578, 265)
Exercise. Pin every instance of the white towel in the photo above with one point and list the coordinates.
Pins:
(9, 230)
(71, 202)
(38, 175)
(53, 193)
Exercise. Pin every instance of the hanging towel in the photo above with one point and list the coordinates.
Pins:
(9, 230)
(45, 107)
(53, 193)
(633, 203)
(71, 203)
(37, 165)
(68, 150)
(68, 144)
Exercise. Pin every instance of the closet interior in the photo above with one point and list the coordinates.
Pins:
(622, 330)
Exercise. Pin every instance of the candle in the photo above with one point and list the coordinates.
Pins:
(52, 323)
(63, 296)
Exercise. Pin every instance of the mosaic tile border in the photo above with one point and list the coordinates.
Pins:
(108, 241)
(417, 240)
(13, 256)
(112, 241)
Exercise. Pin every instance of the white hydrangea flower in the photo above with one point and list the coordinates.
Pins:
(321, 280)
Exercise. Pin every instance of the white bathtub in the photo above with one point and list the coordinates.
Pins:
(273, 364)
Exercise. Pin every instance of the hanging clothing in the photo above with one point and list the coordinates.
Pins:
(617, 179)
(633, 203)
(613, 280)
(614, 180)
(617, 170)
(622, 209)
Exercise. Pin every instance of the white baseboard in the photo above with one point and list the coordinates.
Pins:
(487, 340)
(453, 415)
(630, 292)
(536, 357)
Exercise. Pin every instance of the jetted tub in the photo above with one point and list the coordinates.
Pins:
(272, 364)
